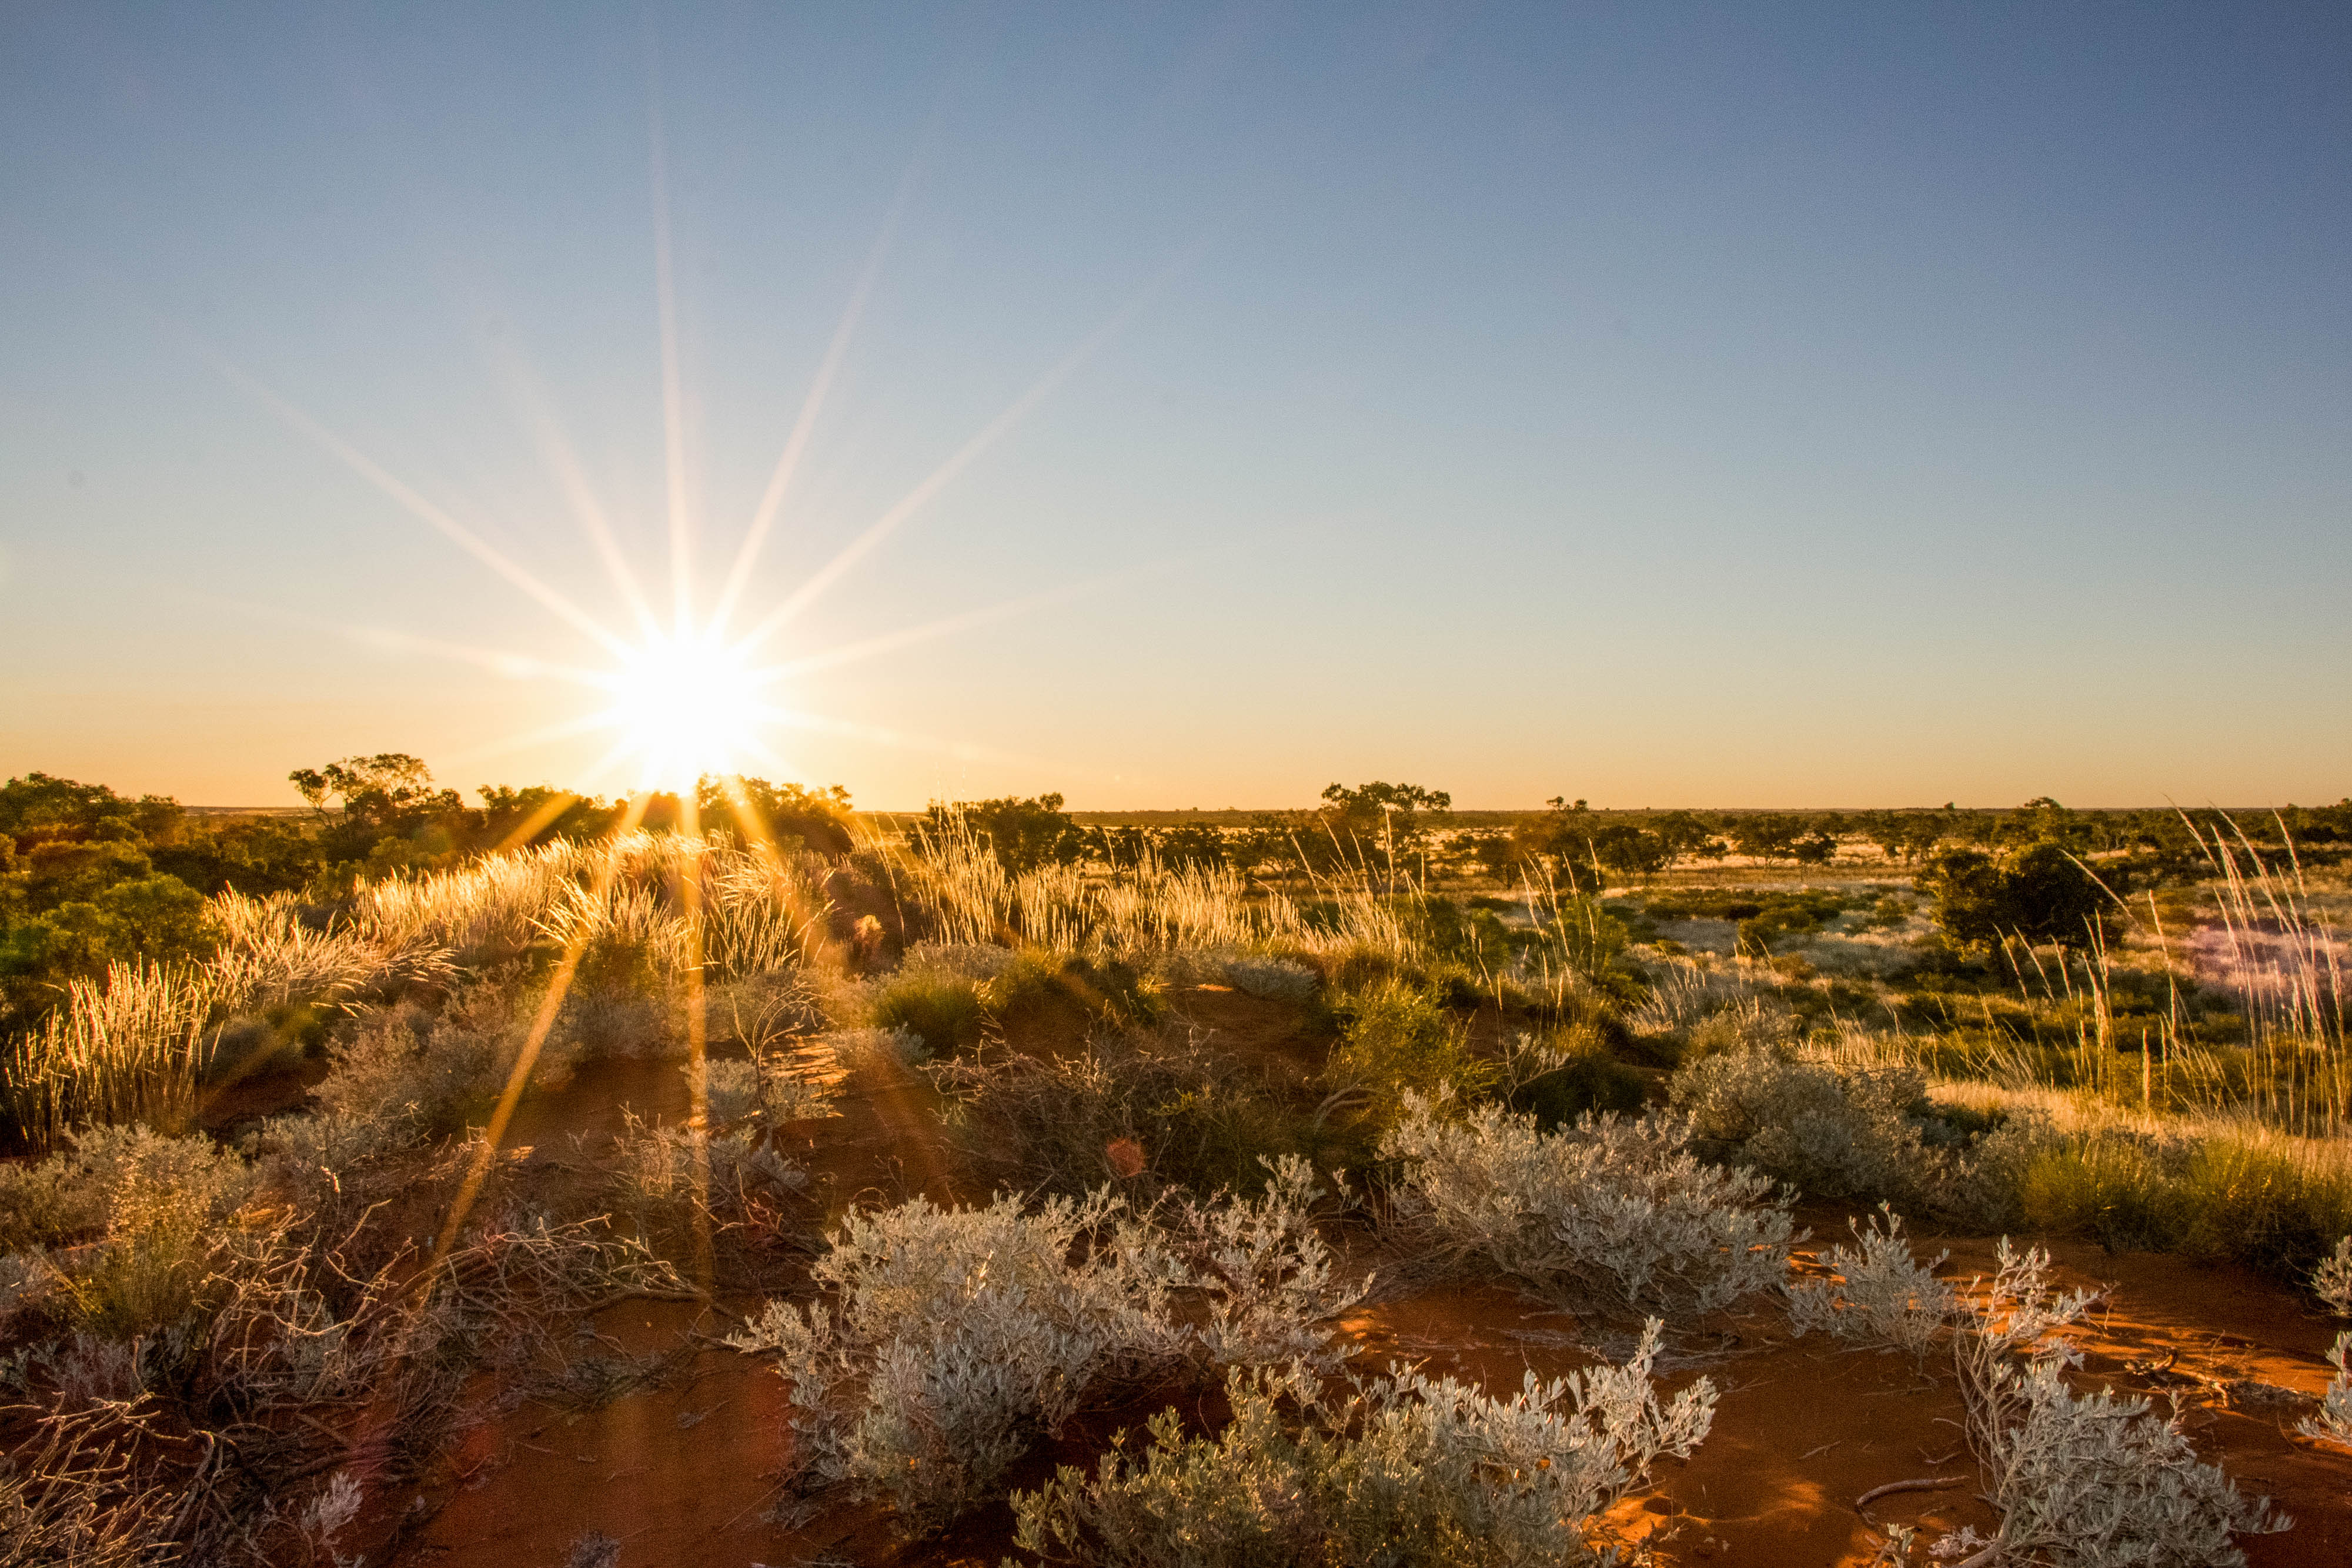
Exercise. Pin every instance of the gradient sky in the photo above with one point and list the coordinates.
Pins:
(1804, 405)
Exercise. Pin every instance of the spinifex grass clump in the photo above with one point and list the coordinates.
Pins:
(1609, 1207)
(126, 1050)
(1407, 1470)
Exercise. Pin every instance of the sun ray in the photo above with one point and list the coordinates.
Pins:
(424, 510)
(1018, 410)
(607, 762)
(562, 461)
(563, 729)
(486, 1150)
(681, 549)
(772, 499)
(852, 729)
(499, 661)
(948, 625)
(522, 832)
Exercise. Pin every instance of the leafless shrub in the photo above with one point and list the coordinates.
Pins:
(73, 1498)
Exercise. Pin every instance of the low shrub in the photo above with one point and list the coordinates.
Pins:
(1274, 980)
(2331, 1281)
(1876, 1290)
(1271, 1283)
(1146, 1113)
(1752, 1024)
(2334, 1419)
(1395, 1041)
(421, 1076)
(1829, 1132)
(949, 1339)
(159, 1205)
(730, 1089)
(2092, 1480)
(1407, 1470)
(1610, 1207)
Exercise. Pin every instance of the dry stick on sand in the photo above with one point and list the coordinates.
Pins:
(1925, 1483)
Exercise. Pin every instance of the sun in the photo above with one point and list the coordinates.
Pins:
(687, 705)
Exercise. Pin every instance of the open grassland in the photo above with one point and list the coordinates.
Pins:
(969, 1190)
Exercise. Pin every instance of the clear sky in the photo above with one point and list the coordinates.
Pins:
(1755, 405)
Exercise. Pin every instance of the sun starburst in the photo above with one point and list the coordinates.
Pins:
(687, 705)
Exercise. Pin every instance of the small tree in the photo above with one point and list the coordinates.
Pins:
(1383, 818)
(2041, 893)
(1022, 834)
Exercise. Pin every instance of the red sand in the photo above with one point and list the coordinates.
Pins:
(681, 1472)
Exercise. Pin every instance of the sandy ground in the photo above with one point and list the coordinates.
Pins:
(681, 1469)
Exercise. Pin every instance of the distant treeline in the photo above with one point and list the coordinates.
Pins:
(1406, 827)
(89, 877)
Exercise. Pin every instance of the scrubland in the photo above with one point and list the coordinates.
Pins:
(957, 1190)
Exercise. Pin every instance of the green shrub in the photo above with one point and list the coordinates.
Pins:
(1395, 1041)
(1588, 1080)
(1146, 1113)
(942, 1011)
(2041, 893)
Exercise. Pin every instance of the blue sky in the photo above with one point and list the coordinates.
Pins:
(1808, 405)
